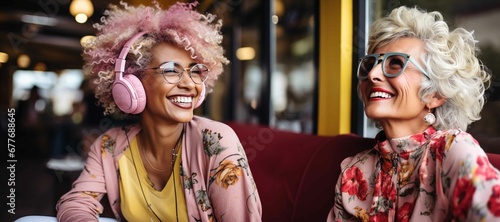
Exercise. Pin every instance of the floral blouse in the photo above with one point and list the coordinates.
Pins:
(430, 176)
(217, 181)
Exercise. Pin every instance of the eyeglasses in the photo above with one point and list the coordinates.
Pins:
(173, 72)
(393, 64)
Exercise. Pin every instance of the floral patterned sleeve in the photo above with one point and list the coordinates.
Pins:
(352, 181)
(81, 203)
(338, 212)
(231, 183)
(229, 192)
(469, 181)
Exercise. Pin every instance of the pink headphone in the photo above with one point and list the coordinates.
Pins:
(128, 92)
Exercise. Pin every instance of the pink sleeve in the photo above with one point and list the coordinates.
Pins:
(338, 207)
(474, 184)
(218, 183)
(81, 203)
(232, 189)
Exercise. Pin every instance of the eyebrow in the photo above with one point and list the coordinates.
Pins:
(190, 64)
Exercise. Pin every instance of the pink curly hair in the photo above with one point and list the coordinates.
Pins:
(180, 25)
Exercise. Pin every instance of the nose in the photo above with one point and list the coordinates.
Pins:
(376, 73)
(186, 81)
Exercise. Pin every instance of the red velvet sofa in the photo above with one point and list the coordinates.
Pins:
(296, 173)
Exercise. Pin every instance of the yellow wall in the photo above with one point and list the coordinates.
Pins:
(335, 66)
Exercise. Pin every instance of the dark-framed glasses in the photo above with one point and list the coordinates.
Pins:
(173, 72)
(393, 64)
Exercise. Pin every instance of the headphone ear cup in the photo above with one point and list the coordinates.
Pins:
(129, 94)
(201, 97)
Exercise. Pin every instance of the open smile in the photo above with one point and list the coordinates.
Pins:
(379, 94)
(181, 99)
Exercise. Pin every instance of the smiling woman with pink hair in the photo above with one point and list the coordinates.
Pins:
(157, 65)
(179, 25)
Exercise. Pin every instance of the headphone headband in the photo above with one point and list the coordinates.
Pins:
(120, 61)
(128, 92)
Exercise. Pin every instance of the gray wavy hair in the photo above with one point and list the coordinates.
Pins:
(455, 72)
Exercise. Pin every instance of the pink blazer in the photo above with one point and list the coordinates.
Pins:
(217, 181)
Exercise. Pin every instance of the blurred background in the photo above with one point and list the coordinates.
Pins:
(292, 67)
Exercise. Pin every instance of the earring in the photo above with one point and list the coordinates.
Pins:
(429, 118)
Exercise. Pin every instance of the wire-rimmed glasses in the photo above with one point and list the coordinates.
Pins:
(173, 72)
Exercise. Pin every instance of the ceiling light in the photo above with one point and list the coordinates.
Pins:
(23, 61)
(4, 57)
(274, 19)
(78, 8)
(81, 18)
(245, 53)
(87, 41)
(40, 67)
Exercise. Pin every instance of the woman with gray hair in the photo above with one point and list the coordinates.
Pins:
(423, 84)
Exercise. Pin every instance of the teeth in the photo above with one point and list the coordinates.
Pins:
(380, 94)
(181, 99)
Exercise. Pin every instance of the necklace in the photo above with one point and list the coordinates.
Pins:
(174, 156)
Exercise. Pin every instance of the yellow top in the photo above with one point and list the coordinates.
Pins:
(163, 203)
